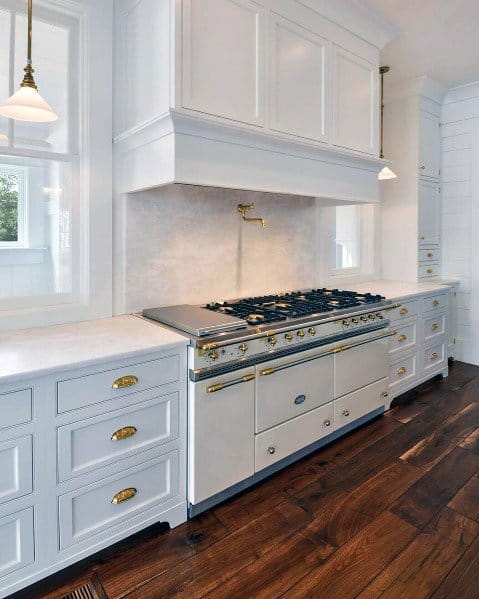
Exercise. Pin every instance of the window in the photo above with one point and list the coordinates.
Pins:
(347, 237)
(12, 206)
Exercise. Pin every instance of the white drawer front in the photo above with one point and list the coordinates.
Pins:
(405, 338)
(89, 510)
(349, 408)
(91, 443)
(434, 327)
(17, 541)
(16, 408)
(359, 366)
(405, 310)
(429, 255)
(429, 270)
(281, 441)
(16, 468)
(435, 302)
(290, 391)
(403, 371)
(434, 357)
(101, 386)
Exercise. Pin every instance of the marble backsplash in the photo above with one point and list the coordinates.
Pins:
(187, 244)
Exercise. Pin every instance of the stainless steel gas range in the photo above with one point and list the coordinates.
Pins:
(274, 377)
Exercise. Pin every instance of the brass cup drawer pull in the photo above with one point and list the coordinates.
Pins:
(402, 338)
(401, 370)
(434, 326)
(124, 495)
(125, 381)
(403, 311)
(345, 412)
(271, 449)
(124, 433)
(434, 356)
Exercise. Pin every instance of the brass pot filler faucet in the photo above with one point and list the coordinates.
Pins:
(243, 208)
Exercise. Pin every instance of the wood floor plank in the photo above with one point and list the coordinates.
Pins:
(466, 501)
(418, 569)
(352, 567)
(463, 580)
(471, 442)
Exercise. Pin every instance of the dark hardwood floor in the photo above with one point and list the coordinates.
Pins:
(391, 511)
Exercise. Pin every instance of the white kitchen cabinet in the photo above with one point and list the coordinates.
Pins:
(429, 145)
(17, 545)
(223, 59)
(429, 213)
(355, 102)
(299, 81)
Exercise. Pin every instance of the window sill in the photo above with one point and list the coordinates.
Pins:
(17, 256)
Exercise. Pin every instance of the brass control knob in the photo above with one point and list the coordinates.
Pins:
(346, 322)
(372, 316)
(213, 354)
(312, 331)
(288, 337)
(364, 317)
(243, 348)
(272, 341)
(301, 333)
(355, 320)
(379, 315)
(271, 449)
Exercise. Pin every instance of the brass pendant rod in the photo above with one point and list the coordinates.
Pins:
(30, 11)
(28, 80)
(382, 70)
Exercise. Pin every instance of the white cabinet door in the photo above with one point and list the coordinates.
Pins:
(17, 541)
(429, 206)
(429, 145)
(223, 44)
(355, 102)
(299, 75)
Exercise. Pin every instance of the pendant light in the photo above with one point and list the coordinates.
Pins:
(27, 104)
(386, 173)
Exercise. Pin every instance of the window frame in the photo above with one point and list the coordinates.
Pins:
(22, 209)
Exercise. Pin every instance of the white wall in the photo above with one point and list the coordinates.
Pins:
(187, 244)
(460, 130)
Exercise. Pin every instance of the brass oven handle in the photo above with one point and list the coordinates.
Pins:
(220, 386)
(434, 356)
(125, 381)
(124, 495)
(124, 433)
(401, 370)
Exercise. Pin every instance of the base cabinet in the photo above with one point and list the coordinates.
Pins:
(17, 542)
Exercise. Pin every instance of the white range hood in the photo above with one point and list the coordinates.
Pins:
(234, 95)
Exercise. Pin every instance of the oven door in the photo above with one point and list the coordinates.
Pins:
(220, 433)
(361, 361)
(291, 386)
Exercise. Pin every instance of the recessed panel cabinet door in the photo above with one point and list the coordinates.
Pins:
(223, 43)
(429, 206)
(355, 102)
(429, 145)
(299, 72)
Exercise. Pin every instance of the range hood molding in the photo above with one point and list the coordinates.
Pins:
(197, 150)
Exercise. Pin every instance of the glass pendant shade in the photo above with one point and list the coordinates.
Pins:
(386, 173)
(28, 105)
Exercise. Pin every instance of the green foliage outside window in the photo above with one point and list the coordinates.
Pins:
(8, 207)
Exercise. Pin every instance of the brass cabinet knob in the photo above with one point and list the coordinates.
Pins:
(403, 311)
(243, 348)
(288, 337)
(213, 354)
(124, 433)
(346, 322)
(429, 271)
(327, 422)
(364, 317)
(436, 303)
(312, 331)
(125, 381)
(401, 370)
(434, 356)
(422, 238)
(124, 495)
(430, 255)
(372, 316)
(379, 315)
(423, 167)
(272, 341)
(271, 449)
(434, 326)
(345, 412)
(300, 333)
(355, 320)
(402, 338)
(385, 394)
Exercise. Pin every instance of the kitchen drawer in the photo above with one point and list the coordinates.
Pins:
(16, 468)
(89, 510)
(16, 407)
(435, 302)
(281, 441)
(434, 326)
(361, 365)
(94, 388)
(349, 408)
(403, 371)
(405, 338)
(429, 270)
(434, 357)
(95, 442)
(285, 390)
(429, 255)
(407, 309)
(17, 541)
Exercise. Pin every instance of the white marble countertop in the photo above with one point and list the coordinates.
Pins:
(393, 290)
(34, 352)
